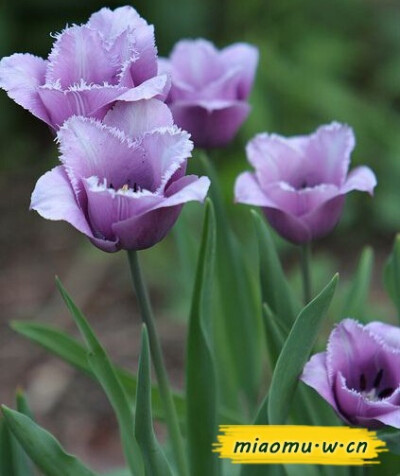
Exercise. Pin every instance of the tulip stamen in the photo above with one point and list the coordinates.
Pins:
(363, 383)
(378, 378)
(385, 393)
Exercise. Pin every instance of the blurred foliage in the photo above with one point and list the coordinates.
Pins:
(320, 61)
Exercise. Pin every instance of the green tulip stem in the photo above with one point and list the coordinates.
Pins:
(171, 415)
(305, 253)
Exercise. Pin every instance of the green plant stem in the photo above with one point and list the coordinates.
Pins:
(305, 252)
(171, 416)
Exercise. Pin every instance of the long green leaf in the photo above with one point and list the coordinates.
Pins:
(42, 447)
(108, 379)
(22, 464)
(200, 373)
(391, 275)
(73, 352)
(295, 353)
(276, 332)
(392, 439)
(154, 460)
(275, 290)
(239, 322)
(356, 299)
(13, 459)
(6, 454)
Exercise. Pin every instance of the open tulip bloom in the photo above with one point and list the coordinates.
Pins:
(210, 88)
(122, 181)
(359, 374)
(301, 182)
(111, 57)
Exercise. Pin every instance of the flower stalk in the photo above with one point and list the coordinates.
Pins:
(146, 312)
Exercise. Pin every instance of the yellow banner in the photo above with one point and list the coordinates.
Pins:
(284, 444)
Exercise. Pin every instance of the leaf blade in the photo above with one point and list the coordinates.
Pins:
(108, 379)
(42, 447)
(201, 399)
(155, 462)
(295, 353)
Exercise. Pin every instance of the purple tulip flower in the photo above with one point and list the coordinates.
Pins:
(122, 181)
(111, 57)
(359, 374)
(301, 182)
(209, 90)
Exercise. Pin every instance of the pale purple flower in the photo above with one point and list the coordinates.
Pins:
(359, 374)
(122, 181)
(301, 182)
(209, 91)
(111, 57)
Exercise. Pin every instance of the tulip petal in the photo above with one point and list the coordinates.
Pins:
(148, 228)
(156, 87)
(89, 148)
(288, 226)
(354, 350)
(20, 77)
(390, 335)
(356, 408)
(166, 150)
(316, 376)
(247, 190)
(53, 198)
(89, 101)
(72, 59)
(361, 178)
(111, 23)
(328, 150)
(136, 119)
(196, 63)
(211, 124)
(324, 218)
(275, 158)
(245, 57)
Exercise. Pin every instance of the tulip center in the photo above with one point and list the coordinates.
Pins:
(135, 187)
(377, 391)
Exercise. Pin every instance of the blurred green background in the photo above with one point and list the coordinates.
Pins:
(320, 61)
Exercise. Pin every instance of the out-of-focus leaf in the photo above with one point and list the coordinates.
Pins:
(13, 459)
(200, 371)
(108, 379)
(154, 460)
(6, 455)
(239, 320)
(295, 353)
(118, 472)
(276, 332)
(23, 405)
(73, 352)
(42, 447)
(391, 438)
(391, 275)
(275, 290)
(356, 299)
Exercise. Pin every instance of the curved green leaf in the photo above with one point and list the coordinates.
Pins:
(200, 370)
(275, 290)
(42, 447)
(73, 352)
(108, 379)
(295, 353)
(154, 460)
